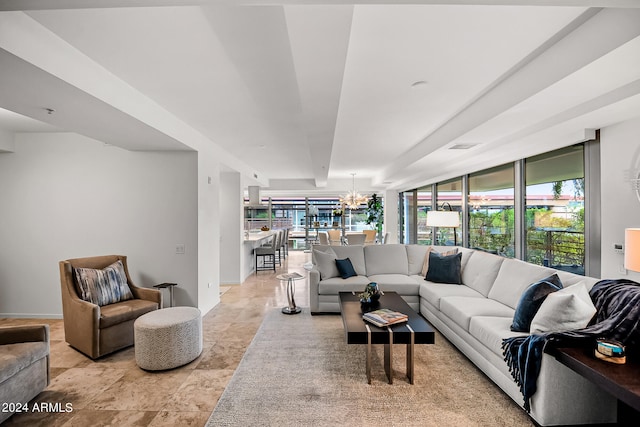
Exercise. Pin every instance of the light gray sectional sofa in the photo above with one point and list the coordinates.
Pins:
(475, 316)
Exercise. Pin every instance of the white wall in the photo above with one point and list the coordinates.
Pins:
(619, 152)
(6, 141)
(391, 215)
(231, 219)
(63, 196)
(208, 230)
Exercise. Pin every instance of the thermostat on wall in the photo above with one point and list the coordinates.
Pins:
(618, 248)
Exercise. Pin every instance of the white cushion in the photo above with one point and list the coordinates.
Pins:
(434, 292)
(491, 330)
(386, 259)
(403, 285)
(564, 310)
(481, 271)
(415, 256)
(320, 248)
(513, 278)
(337, 284)
(462, 309)
(355, 255)
(326, 262)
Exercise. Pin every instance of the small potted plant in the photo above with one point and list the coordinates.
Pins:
(337, 215)
(369, 298)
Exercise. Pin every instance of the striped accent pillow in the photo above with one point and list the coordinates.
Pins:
(102, 287)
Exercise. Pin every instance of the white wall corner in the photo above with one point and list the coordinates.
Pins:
(619, 153)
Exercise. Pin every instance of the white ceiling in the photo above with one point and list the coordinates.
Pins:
(304, 93)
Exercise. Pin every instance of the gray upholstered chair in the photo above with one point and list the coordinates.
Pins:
(356, 239)
(98, 330)
(324, 238)
(268, 253)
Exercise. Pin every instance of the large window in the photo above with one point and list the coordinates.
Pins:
(554, 218)
(449, 196)
(491, 211)
(532, 209)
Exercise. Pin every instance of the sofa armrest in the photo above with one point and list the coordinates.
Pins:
(314, 290)
(27, 333)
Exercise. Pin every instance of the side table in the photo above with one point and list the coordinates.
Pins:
(291, 290)
(170, 286)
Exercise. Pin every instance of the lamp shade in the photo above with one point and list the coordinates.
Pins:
(632, 249)
(443, 219)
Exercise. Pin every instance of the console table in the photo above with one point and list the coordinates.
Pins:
(621, 381)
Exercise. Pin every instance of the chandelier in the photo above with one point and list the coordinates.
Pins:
(353, 199)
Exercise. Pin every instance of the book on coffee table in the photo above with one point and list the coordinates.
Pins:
(385, 317)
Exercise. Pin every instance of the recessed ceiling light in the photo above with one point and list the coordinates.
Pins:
(419, 83)
(462, 146)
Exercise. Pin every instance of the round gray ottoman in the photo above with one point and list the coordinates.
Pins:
(167, 338)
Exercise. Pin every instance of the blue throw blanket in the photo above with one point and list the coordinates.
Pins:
(618, 317)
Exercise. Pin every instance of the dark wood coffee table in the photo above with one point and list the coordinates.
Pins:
(358, 331)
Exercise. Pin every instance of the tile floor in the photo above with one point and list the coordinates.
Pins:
(114, 391)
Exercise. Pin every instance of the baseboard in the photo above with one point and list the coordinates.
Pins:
(30, 316)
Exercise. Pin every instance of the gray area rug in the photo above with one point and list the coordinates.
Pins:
(299, 371)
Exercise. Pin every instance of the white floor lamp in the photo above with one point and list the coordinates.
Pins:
(445, 219)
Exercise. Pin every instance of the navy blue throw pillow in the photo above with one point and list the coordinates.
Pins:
(345, 268)
(444, 269)
(531, 300)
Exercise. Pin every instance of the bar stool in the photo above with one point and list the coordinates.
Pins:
(268, 252)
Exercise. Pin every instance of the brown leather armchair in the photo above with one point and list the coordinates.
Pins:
(98, 330)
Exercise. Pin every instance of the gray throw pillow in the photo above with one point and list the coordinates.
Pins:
(326, 263)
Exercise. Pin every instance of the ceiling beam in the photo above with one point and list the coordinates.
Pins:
(319, 38)
(593, 34)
